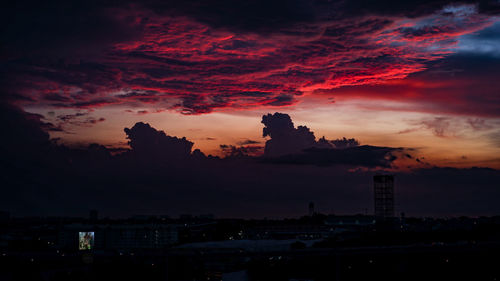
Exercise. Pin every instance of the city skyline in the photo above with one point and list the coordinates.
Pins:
(250, 140)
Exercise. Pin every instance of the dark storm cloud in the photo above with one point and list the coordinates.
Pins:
(270, 16)
(414, 8)
(255, 15)
(21, 128)
(202, 56)
(160, 175)
(59, 28)
(49, 127)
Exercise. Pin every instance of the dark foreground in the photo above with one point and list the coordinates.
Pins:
(304, 249)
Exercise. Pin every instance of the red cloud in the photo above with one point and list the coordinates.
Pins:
(179, 63)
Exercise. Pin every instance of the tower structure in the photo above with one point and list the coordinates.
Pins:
(384, 195)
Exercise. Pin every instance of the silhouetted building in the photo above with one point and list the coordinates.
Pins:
(121, 236)
(384, 195)
(311, 208)
(348, 221)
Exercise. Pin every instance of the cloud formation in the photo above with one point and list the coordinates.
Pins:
(298, 146)
(459, 85)
(160, 175)
(22, 129)
(286, 139)
(199, 56)
(148, 143)
(231, 151)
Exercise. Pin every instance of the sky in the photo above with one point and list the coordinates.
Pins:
(409, 88)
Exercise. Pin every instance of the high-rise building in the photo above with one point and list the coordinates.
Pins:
(384, 195)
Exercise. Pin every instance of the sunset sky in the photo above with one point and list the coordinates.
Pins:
(423, 76)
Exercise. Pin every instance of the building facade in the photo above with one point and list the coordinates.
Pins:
(121, 236)
(384, 195)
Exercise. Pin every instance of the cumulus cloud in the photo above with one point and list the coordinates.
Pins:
(147, 142)
(290, 145)
(285, 138)
(69, 181)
